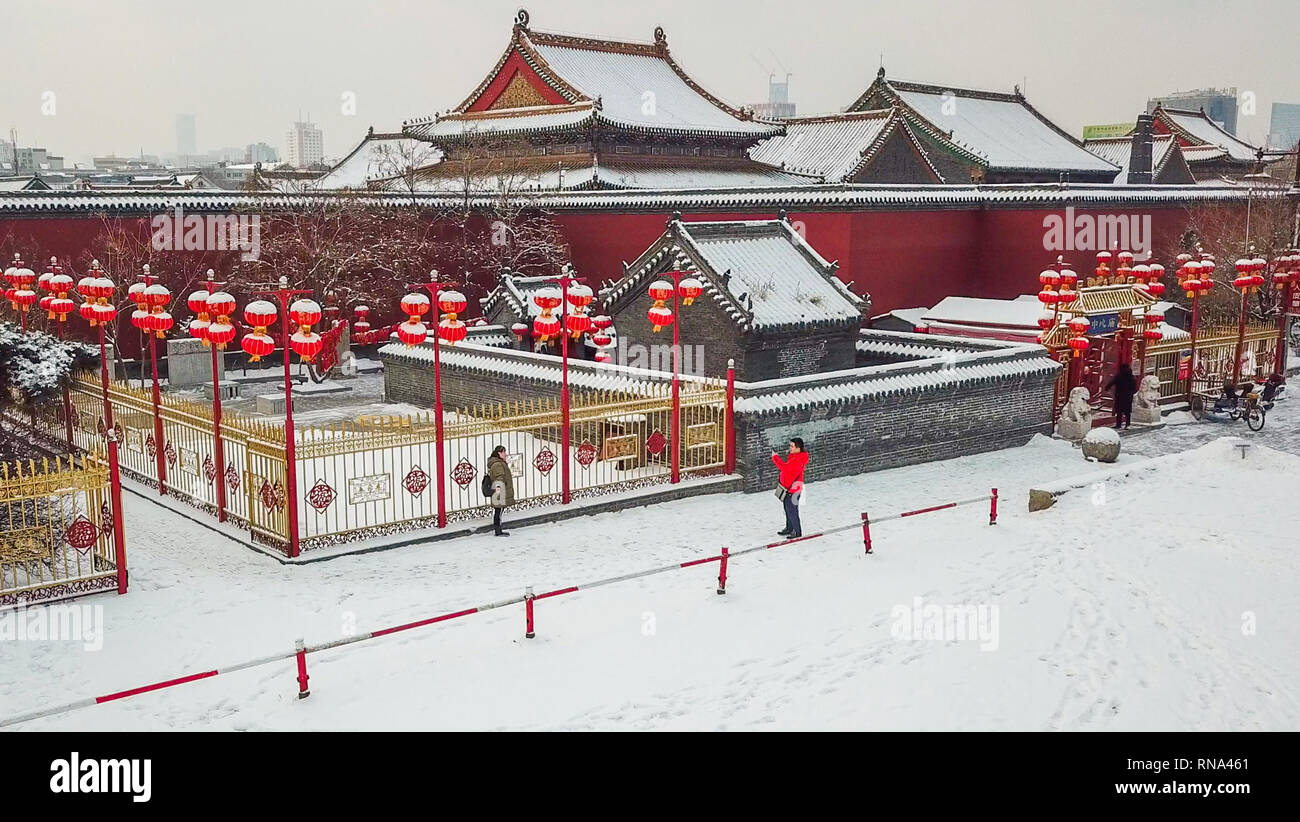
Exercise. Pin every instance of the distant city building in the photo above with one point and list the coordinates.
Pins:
(259, 153)
(778, 105)
(1219, 104)
(30, 160)
(304, 145)
(1284, 126)
(187, 142)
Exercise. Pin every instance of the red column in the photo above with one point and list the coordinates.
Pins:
(217, 446)
(160, 458)
(114, 471)
(1191, 366)
(1280, 359)
(290, 459)
(565, 493)
(300, 655)
(730, 423)
(993, 508)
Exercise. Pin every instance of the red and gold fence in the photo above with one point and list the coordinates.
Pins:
(376, 475)
(1215, 347)
(56, 535)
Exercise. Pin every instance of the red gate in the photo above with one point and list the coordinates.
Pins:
(1099, 363)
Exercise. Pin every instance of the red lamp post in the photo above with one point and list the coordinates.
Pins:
(98, 288)
(685, 289)
(1196, 278)
(1286, 271)
(304, 313)
(571, 292)
(154, 321)
(414, 332)
(214, 328)
(1250, 276)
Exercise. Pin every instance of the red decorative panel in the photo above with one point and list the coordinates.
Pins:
(321, 495)
(232, 478)
(81, 534)
(170, 451)
(105, 518)
(209, 468)
(99, 426)
(544, 461)
(656, 443)
(267, 494)
(586, 454)
(416, 481)
(463, 473)
(150, 447)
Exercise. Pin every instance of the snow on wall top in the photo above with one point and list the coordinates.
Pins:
(1003, 131)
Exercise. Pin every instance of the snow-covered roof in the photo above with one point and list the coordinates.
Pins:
(547, 81)
(761, 273)
(581, 172)
(834, 146)
(517, 294)
(1119, 150)
(1197, 127)
(978, 311)
(377, 156)
(908, 315)
(1002, 129)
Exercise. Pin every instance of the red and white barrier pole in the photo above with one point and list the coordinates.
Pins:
(529, 633)
(722, 573)
(300, 651)
(993, 508)
(866, 532)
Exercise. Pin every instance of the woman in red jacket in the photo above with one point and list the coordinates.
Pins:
(790, 486)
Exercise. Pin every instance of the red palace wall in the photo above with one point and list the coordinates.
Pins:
(905, 258)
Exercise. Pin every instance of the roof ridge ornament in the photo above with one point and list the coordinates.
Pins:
(521, 19)
(661, 39)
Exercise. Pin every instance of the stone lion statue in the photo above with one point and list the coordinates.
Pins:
(1148, 395)
(1077, 407)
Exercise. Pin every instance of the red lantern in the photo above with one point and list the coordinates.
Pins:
(451, 302)
(661, 291)
(305, 342)
(603, 356)
(688, 289)
(220, 332)
(601, 322)
(159, 322)
(1046, 320)
(577, 324)
(579, 295)
(198, 302)
(136, 293)
(261, 314)
(519, 330)
(1103, 267)
(257, 345)
(1069, 278)
(1080, 325)
(361, 325)
(306, 313)
(415, 305)
(140, 319)
(1050, 278)
(452, 331)
(412, 332)
(1048, 297)
(1065, 298)
(157, 296)
(1078, 345)
(546, 326)
(660, 316)
(600, 339)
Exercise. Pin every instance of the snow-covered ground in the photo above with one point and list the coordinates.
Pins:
(1166, 599)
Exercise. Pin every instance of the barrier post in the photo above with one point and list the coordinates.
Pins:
(993, 508)
(529, 633)
(722, 574)
(300, 647)
(866, 532)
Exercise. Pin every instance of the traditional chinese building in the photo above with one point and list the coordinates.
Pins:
(986, 136)
(558, 111)
(1210, 151)
(771, 303)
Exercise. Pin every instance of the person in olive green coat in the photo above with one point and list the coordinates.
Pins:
(503, 486)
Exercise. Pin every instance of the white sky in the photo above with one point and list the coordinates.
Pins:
(121, 70)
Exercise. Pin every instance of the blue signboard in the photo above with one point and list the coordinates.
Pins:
(1103, 323)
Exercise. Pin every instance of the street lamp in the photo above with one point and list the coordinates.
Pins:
(683, 288)
(304, 313)
(213, 327)
(413, 332)
(153, 320)
(98, 310)
(1195, 277)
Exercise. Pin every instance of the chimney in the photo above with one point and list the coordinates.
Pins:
(1139, 159)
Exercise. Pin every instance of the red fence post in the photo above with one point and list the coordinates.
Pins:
(300, 647)
(439, 458)
(722, 574)
(730, 422)
(529, 633)
(866, 532)
(217, 446)
(993, 508)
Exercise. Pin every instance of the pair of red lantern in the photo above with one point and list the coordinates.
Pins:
(1196, 276)
(150, 315)
(451, 330)
(1050, 278)
(1250, 273)
(97, 291)
(661, 291)
(21, 279)
(577, 320)
(213, 326)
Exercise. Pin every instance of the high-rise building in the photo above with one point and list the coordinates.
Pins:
(304, 146)
(778, 105)
(187, 141)
(1284, 126)
(1219, 104)
(259, 153)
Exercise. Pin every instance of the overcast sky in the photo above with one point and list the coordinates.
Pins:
(121, 70)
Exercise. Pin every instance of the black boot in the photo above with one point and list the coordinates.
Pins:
(784, 532)
(501, 533)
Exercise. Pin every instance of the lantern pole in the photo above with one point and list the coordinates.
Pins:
(159, 458)
(434, 286)
(283, 295)
(564, 281)
(1241, 320)
(217, 446)
(67, 394)
(1292, 260)
(675, 458)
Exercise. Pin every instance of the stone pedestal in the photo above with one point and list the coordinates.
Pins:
(270, 403)
(229, 390)
(1146, 416)
(189, 363)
